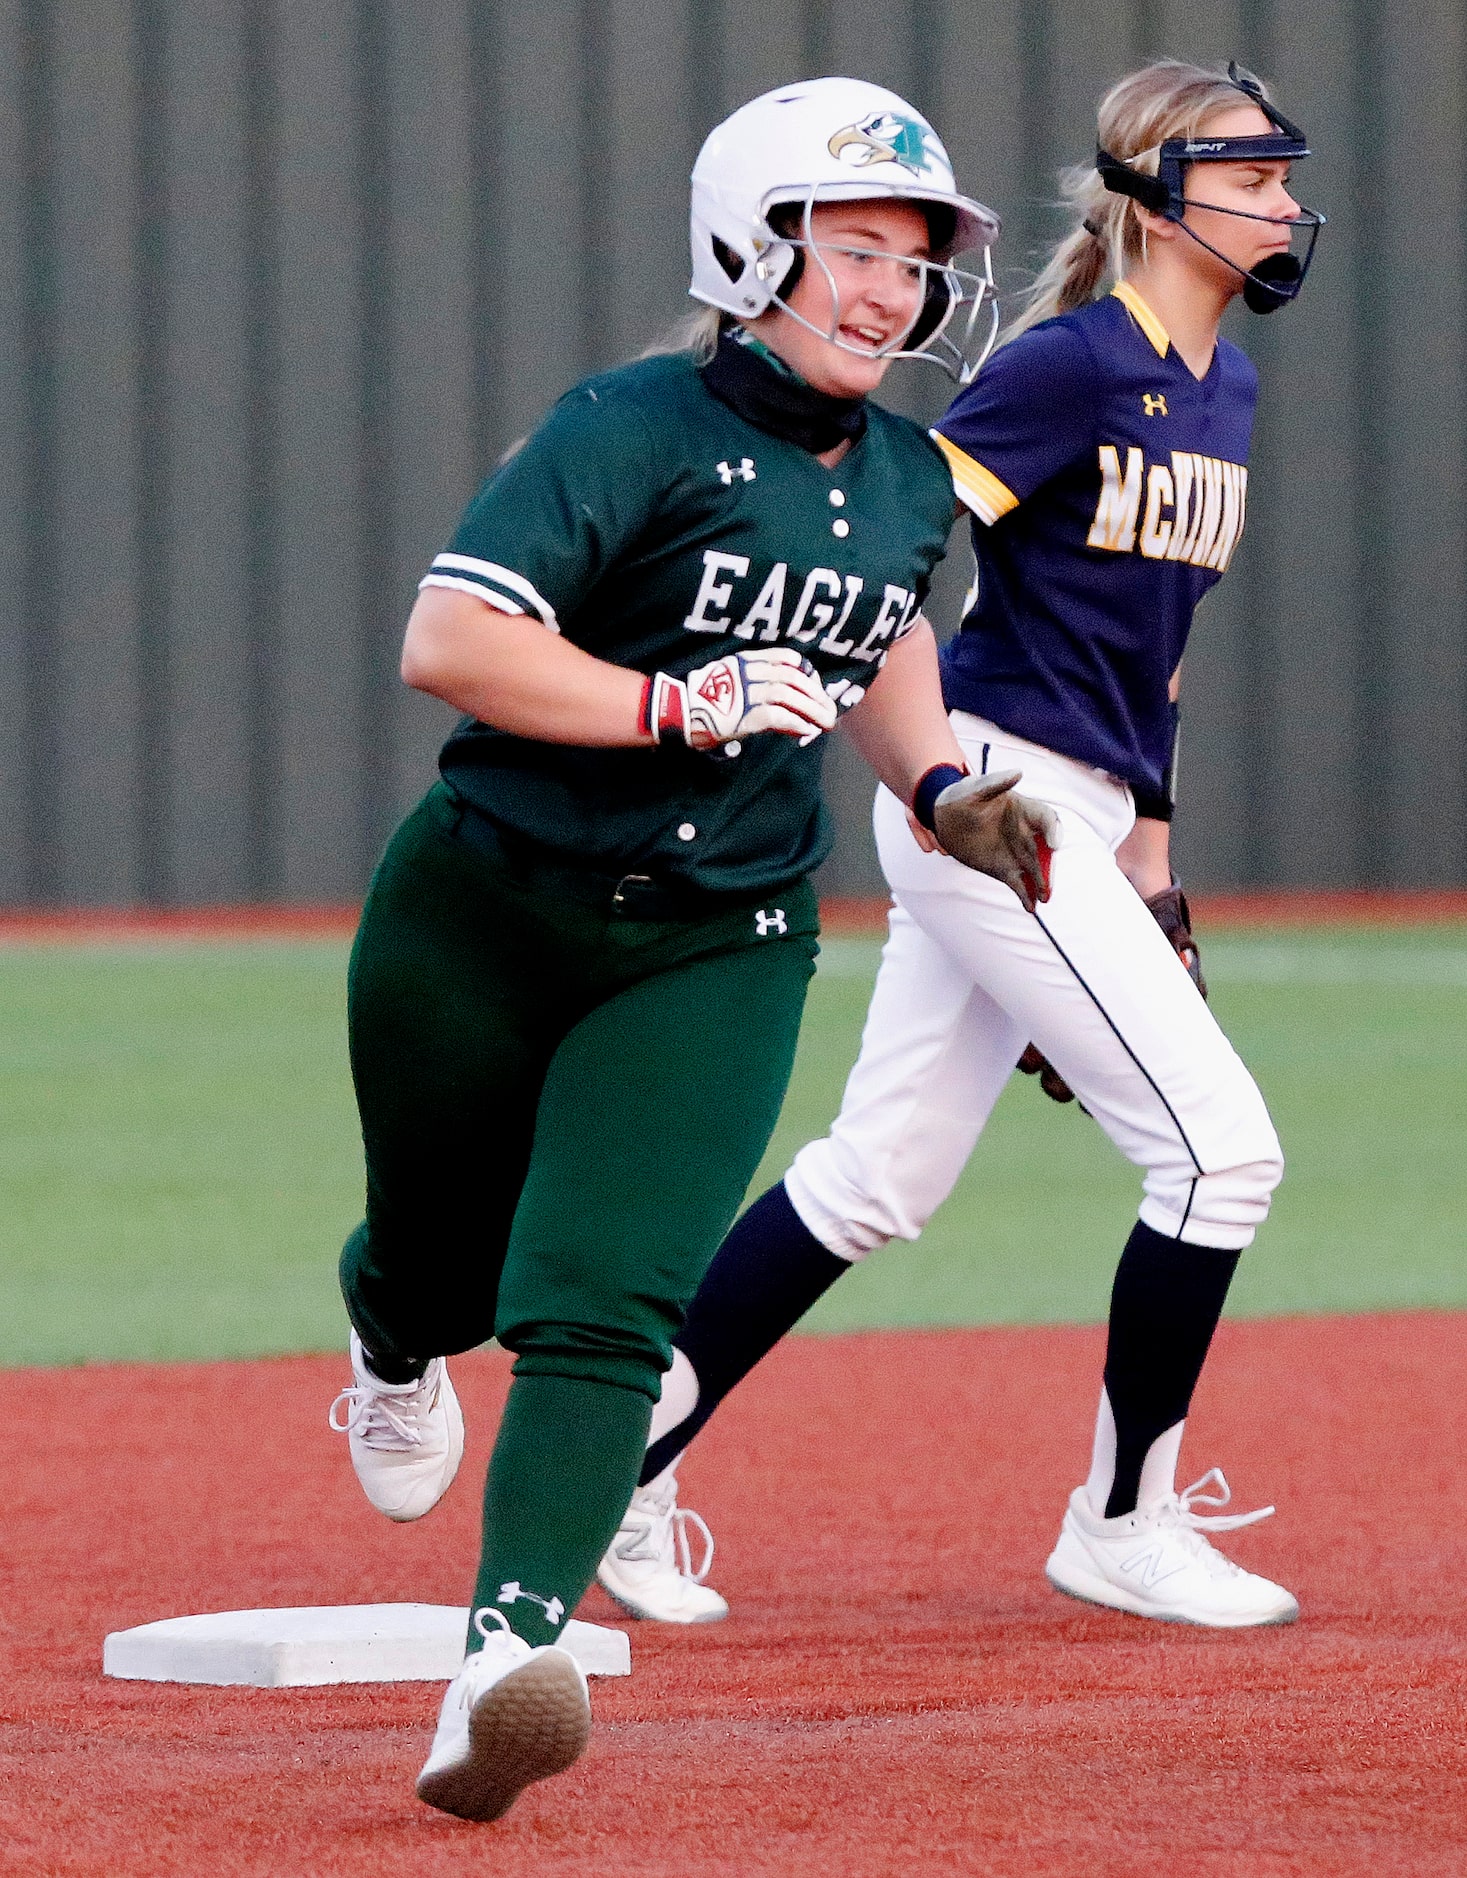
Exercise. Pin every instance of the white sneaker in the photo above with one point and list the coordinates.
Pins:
(1158, 1563)
(648, 1567)
(512, 1715)
(406, 1438)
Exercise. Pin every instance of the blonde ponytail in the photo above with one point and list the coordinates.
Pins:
(696, 332)
(1168, 98)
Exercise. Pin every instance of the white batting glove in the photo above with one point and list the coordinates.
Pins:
(740, 696)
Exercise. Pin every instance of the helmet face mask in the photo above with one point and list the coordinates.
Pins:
(1272, 282)
(955, 320)
(835, 140)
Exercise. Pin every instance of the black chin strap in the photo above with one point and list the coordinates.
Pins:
(774, 399)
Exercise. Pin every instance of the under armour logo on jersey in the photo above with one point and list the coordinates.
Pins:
(553, 1608)
(744, 468)
(1153, 403)
(767, 923)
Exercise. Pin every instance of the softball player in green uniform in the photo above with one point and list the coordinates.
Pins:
(576, 989)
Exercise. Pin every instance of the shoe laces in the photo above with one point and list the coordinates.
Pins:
(1215, 1522)
(1189, 1530)
(488, 1610)
(389, 1423)
(663, 1535)
(498, 1643)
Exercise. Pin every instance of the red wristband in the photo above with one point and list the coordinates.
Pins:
(664, 710)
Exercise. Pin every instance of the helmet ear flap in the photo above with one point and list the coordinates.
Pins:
(731, 263)
(790, 279)
(939, 299)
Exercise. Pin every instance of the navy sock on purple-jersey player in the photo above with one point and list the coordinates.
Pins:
(1164, 1308)
(765, 1276)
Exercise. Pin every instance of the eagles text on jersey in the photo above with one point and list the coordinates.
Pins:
(656, 528)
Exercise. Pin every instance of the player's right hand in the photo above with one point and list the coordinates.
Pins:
(982, 823)
(743, 695)
(749, 692)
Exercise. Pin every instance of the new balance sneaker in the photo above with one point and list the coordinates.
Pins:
(512, 1715)
(1160, 1563)
(406, 1438)
(648, 1567)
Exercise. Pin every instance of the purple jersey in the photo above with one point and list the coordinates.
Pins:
(1107, 487)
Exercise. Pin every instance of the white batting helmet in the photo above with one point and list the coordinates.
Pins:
(832, 140)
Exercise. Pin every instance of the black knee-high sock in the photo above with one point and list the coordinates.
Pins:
(1164, 1308)
(764, 1277)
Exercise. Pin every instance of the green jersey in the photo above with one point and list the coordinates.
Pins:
(657, 529)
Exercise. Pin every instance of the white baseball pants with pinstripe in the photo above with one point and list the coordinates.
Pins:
(968, 978)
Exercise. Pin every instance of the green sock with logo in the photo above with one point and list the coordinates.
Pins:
(564, 1468)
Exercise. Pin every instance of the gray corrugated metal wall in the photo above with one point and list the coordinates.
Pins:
(282, 279)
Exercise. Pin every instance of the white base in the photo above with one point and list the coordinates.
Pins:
(331, 1643)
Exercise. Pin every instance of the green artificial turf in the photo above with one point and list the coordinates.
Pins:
(181, 1160)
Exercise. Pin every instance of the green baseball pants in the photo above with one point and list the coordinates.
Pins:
(564, 1093)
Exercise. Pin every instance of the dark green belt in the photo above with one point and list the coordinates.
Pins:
(633, 896)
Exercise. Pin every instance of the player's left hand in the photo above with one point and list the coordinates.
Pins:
(982, 823)
(1170, 911)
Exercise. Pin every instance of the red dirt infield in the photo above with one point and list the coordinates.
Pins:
(897, 1691)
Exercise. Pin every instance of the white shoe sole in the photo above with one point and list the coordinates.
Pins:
(629, 1604)
(1080, 1581)
(533, 1723)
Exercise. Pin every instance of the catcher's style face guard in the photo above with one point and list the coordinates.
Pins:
(956, 321)
(1278, 277)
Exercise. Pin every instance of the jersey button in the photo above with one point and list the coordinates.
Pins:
(686, 832)
(840, 527)
(837, 498)
(732, 749)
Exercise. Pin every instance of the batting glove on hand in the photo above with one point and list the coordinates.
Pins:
(982, 823)
(740, 696)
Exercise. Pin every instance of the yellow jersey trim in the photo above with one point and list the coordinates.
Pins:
(977, 488)
(1160, 338)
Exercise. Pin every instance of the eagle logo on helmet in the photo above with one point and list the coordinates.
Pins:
(884, 137)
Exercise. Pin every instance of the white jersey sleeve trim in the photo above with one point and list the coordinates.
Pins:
(459, 585)
(489, 575)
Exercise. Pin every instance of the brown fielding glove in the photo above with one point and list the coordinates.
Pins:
(982, 823)
(1031, 1063)
(1170, 911)
(1174, 916)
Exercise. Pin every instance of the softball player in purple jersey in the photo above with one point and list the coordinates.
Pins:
(1102, 454)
